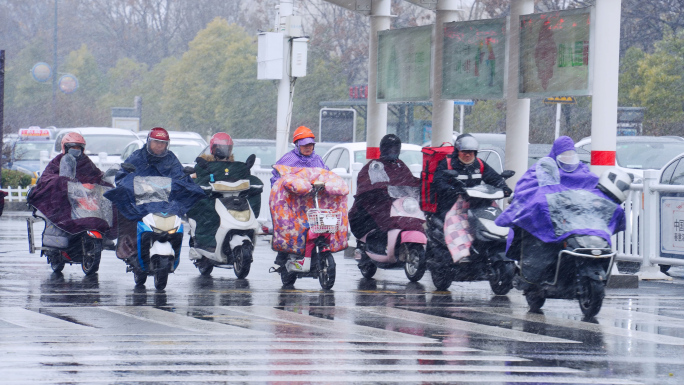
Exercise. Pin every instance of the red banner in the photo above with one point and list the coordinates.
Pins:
(603, 158)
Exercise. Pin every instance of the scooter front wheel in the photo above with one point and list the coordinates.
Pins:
(92, 256)
(535, 299)
(140, 278)
(57, 264)
(414, 256)
(242, 261)
(442, 277)
(326, 271)
(368, 269)
(161, 277)
(590, 296)
(501, 278)
(205, 267)
(288, 278)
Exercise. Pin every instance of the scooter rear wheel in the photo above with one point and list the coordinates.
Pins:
(590, 297)
(414, 256)
(326, 271)
(501, 278)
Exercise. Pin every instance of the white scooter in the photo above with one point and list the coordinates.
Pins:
(236, 235)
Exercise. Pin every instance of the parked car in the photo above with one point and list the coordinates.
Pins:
(98, 140)
(185, 145)
(25, 149)
(637, 153)
(264, 149)
(342, 155)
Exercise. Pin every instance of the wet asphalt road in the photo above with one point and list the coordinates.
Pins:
(67, 328)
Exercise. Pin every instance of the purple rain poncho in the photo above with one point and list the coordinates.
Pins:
(295, 159)
(552, 204)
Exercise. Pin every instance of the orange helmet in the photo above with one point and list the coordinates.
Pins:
(302, 132)
(72, 139)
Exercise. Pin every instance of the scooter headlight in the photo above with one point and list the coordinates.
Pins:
(242, 216)
(410, 205)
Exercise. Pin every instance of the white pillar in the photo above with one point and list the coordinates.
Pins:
(517, 110)
(604, 101)
(377, 113)
(442, 110)
(283, 104)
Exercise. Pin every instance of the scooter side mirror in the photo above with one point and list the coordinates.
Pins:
(188, 170)
(250, 161)
(507, 174)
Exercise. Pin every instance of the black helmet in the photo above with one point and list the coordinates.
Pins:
(390, 146)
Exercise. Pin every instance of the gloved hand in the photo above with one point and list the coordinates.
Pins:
(128, 167)
(67, 166)
(201, 162)
(507, 191)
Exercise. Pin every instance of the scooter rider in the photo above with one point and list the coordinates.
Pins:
(153, 159)
(50, 197)
(303, 155)
(472, 171)
(372, 202)
(216, 166)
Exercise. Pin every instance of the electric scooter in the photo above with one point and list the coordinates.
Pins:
(317, 261)
(236, 236)
(487, 260)
(399, 247)
(84, 247)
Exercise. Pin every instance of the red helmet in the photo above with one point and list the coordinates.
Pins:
(221, 145)
(72, 139)
(158, 135)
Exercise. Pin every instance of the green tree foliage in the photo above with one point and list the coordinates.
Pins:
(80, 108)
(485, 116)
(194, 97)
(661, 73)
(629, 77)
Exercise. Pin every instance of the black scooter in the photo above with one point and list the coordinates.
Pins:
(578, 267)
(487, 260)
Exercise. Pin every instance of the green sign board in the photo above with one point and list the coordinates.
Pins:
(554, 54)
(404, 64)
(474, 59)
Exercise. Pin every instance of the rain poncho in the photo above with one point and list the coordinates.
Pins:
(290, 200)
(372, 202)
(295, 159)
(552, 204)
(157, 185)
(70, 192)
(204, 212)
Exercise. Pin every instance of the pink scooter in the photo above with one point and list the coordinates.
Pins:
(399, 247)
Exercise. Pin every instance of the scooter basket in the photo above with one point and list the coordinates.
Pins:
(324, 221)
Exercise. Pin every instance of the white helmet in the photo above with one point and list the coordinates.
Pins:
(615, 183)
